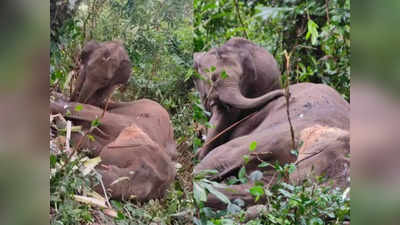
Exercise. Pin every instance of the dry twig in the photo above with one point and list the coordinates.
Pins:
(287, 97)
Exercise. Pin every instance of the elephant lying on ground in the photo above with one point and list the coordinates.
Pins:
(312, 107)
(236, 79)
(135, 143)
(135, 140)
(148, 115)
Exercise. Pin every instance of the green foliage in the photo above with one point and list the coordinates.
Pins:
(286, 203)
(309, 203)
(315, 33)
(157, 35)
(66, 182)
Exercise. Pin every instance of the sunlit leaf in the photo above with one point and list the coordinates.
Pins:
(253, 146)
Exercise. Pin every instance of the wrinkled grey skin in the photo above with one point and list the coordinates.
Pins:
(103, 67)
(253, 79)
(310, 105)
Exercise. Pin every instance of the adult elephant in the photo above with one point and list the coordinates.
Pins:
(103, 67)
(235, 79)
(314, 107)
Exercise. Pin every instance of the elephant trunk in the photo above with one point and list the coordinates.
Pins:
(86, 92)
(219, 121)
(232, 96)
(78, 85)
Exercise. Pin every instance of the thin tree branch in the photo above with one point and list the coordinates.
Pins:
(327, 11)
(240, 18)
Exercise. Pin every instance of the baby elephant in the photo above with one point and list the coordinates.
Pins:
(134, 139)
(103, 67)
(135, 143)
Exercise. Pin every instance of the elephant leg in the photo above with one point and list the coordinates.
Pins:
(88, 113)
(272, 145)
(220, 120)
(100, 96)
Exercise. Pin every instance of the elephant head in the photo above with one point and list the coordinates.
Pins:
(235, 79)
(104, 66)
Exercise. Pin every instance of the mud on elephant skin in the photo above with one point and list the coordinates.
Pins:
(235, 79)
(103, 67)
(310, 105)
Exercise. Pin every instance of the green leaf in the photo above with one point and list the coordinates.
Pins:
(205, 173)
(257, 192)
(95, 123)
(312, 31)
(270, 12)
(253, 146)
(292, 168)
(294, 152)
(189, 74)
(264, 164)
(78, 108)
(53, 161)
(285, 193)
(199, 193)
(316, 221)
(233, 180)
(246, 159)
(213, 68)
(91, 138)
(224, 75)
(217, 193)
(242, 175)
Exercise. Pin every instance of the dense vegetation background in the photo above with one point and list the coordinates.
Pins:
(160, 38)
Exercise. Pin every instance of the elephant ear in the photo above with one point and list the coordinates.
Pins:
(248, 67)
(87, 50)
